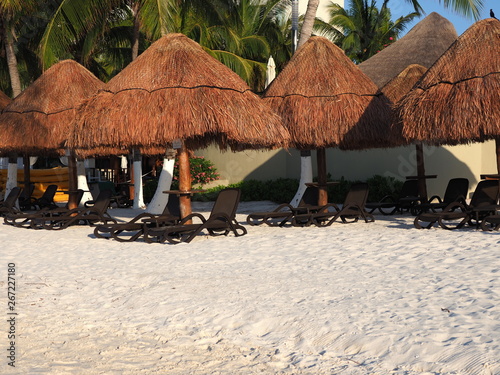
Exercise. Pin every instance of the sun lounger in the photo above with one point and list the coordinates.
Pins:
(456, 191)
(222, 221)
(352, 210)
(133, 229)
(483, 203)
(89, 216)
(389, 205)
(8, 206)
(29, 220)
(285, 212)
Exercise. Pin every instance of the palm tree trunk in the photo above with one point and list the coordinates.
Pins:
(15, 82)
(307, 25)
(306, 174)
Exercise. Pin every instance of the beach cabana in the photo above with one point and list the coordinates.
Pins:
(394, 90)
(457, 100)
(38, 121)
(4, 100)
(176, 94)
(326, 101)
(422, 45)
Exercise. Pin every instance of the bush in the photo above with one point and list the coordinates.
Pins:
(282, 190)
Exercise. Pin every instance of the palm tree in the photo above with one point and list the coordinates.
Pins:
(362, 30)
(469, 8)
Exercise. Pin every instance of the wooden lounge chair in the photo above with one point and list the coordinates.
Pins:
(8, 206)
(120, 199)
(285, 212)
(28, 220)
(89, 215)
(491, 222)
(352, 210)
(26, 198)
(222, 221)
(483, 203)
(389, 205)
(133, 229)
(456, 191)
(46, 200)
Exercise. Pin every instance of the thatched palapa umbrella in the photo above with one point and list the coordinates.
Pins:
(422, 45)
(176, 91)
(326, 101)
(4, 100)
(394, 90)
(458, 99)
(38, 121)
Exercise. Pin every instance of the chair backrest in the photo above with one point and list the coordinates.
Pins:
(172, 208)
(107, 185)
(226, 203)
(357, 194)
(457, 187)
(486, 193)
(102, 201)
(13, 196)
(310, 197)
(78, 198)
(409, 189)
(47, 197)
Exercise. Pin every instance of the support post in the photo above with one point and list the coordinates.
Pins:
(184, 182)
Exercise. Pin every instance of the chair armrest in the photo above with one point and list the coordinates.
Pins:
(435, 197)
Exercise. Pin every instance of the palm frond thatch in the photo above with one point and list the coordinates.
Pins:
(39, 119)
(4, 100)
(395, 89)
(422, 45)
(176, 90)
(457, 100)
(326, 101)
(400, 85)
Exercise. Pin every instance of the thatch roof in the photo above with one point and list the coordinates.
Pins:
(422, 45)
(39, 119)
(326, 101)
(395, 89)
(176, 90)
(4, 100)
(457, 100)
(400, 85)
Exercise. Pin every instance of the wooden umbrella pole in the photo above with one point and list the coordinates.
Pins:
(184, 182)
(422, 184)
(27, 176)
(497, 145)
(73, 180)
(321, 163)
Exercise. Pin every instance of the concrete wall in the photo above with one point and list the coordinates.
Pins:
(469, 161)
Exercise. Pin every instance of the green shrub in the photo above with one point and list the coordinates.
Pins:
(282, 190)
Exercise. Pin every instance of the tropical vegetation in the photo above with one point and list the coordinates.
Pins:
(105, 35)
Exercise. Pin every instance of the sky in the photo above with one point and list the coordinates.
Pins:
(402, 7)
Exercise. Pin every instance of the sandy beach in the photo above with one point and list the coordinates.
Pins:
(376, 298)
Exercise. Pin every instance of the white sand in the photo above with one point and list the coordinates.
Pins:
(378, 298)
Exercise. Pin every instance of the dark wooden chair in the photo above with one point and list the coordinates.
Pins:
(390, 204)
(133, 229)
(352, 210)
(28, 220)
(285, 212)
(46, 200)
(456, 191)
(77, 216)
(483, 203)
(222, 221)
(8, 205)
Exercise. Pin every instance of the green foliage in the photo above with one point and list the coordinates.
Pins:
(203, 171)
(283, 190)
(381, 186)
